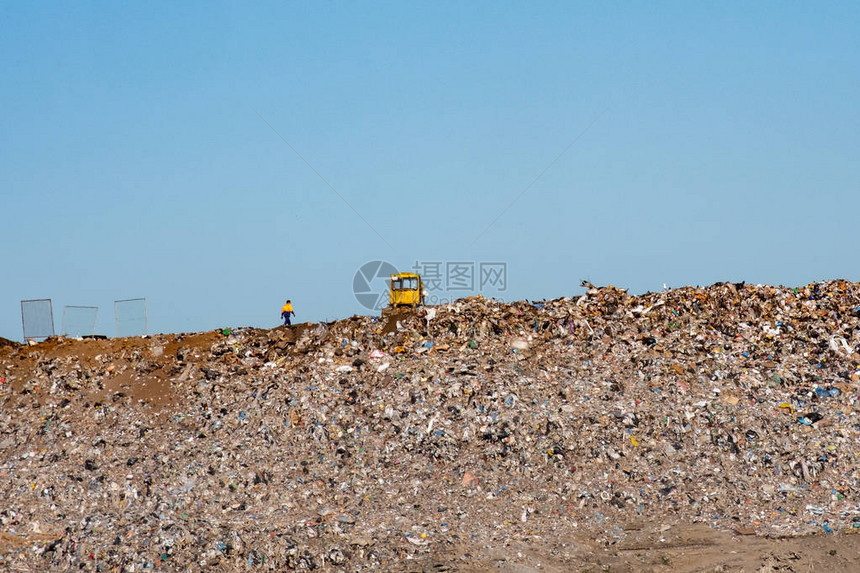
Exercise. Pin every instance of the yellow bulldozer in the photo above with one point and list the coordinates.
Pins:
(406, 291)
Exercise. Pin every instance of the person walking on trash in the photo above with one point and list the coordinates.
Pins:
(286, 311)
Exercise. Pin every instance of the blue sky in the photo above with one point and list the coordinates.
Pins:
(710, 142)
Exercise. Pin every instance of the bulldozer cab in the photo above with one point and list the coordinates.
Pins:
(407, 290)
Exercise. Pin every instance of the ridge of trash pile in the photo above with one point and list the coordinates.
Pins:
(367, 442)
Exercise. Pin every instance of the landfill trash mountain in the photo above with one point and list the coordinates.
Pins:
(589, 432)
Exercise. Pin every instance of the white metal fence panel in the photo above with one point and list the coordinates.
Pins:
(131, 319)
(37, 318)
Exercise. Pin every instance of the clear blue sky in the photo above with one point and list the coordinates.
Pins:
(134, 161)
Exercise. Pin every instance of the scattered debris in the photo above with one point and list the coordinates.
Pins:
(356, 444)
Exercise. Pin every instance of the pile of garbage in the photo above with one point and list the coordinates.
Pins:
(371, 443)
